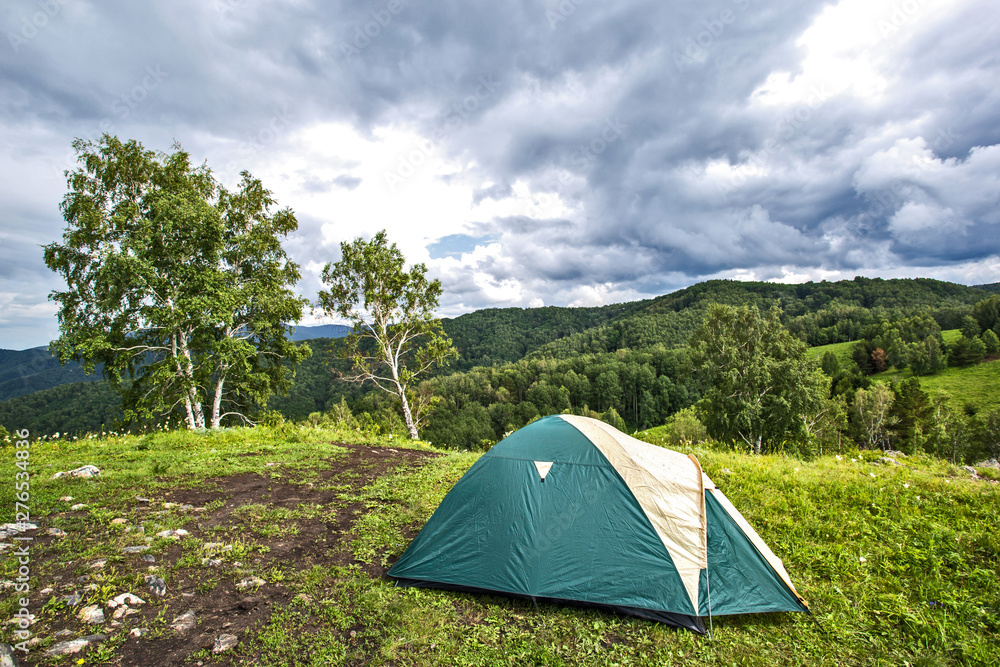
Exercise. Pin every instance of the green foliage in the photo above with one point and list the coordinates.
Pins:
(760, 383)
(991, 343)
(396, 338)
(179, 287)
(966, 351)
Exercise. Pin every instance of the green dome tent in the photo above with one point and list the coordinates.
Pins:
(571, 509)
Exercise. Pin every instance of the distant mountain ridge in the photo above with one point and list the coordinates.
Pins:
(498, 336)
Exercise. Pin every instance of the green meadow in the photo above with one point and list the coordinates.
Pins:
(898, 561)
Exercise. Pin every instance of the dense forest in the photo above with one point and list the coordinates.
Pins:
(629, 364)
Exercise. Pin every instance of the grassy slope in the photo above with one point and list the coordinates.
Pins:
(898, 563)
(973, 385)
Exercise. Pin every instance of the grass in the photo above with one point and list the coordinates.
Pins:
(975, 386)
(898, 562)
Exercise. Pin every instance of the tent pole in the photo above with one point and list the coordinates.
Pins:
(708, 585)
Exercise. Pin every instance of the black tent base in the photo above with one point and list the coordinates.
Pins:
(693, 623)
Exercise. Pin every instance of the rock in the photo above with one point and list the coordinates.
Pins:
(30, 618)
(304, 598)
(14, 528)
(139, 632)
(125, 598)
(124, 611)
(184, 622)
(8, 659)
(224, 643)
(79, 506)
(83, 579)
(119, 522)
(186, 508)
(71, 600)
(143, 500)
(135, 550)
(895, 454)
(66, 499)
(172, 534)
(47, 590)
(74, 645)
(99, 563)
(888, 460)
(169, 506)
(57, 532)
(156, 585)
(63, 633)
(970, 470)
(251, 582)
(86, 471)
(989, 463)
(148, 558)
(212, 562)
(92, 615)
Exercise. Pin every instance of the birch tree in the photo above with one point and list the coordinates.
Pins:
(396, 338)
(761, 386)
(177, 286)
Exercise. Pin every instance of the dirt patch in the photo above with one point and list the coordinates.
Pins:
(290, 519)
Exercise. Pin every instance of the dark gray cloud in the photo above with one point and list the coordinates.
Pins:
(649, 144)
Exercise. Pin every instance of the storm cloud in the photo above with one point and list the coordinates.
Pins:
(556, 152)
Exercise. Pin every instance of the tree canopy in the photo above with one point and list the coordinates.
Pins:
(761, 386)
(177, 285)
(396, 337)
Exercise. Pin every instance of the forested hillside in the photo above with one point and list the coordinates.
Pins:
(25, 371)
(627, 362)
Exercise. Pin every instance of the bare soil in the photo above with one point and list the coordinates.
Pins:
(211, 592)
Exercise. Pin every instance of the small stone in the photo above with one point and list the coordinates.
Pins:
(148, 558)
(212, 562)
(304, 597)
(126, 599)
(139, 632)
(123, 611)
(30, 618)
(47, 591)
(119, 522)
(246, 604)
(79, 506)
(187, 595)
(224, 643)
(66, 499)
(187, 508)
(63, 633)
(172, 534)
(57, 532)
(184, 622)
(83, 579)
(156, 585)
(251, 582)
(200, 509)
(169, 506)
(7, 657)
(14, 528)
(143, 500)
(99, 563)
(92, 614)
(74, 646)
(71, 600)
(136, 549)
(86, 472)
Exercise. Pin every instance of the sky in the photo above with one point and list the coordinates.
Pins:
(535, 152)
